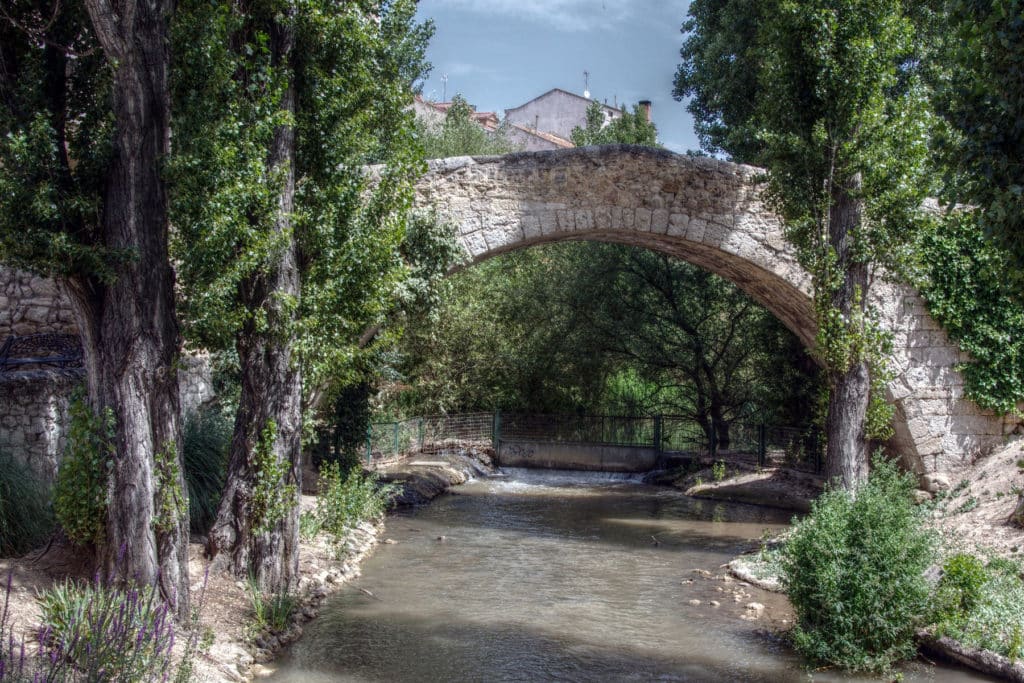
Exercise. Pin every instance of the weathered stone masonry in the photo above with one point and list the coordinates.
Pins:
(710, 213)
(34, 403)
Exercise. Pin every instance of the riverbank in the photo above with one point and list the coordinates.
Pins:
(971, 513)
(233, 649)
(781, 488)
(239, 654)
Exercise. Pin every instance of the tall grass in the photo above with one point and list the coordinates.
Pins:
(26, 513)
(206, 438)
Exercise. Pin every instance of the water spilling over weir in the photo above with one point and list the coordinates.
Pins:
(573, 576)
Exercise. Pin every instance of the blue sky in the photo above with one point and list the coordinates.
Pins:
(502, 53)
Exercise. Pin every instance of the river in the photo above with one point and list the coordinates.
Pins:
(541, 575)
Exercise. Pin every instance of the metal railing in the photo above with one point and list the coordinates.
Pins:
(756, 444)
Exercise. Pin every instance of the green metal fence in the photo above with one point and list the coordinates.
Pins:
(611, 430)
(430, 434)
(756, 444)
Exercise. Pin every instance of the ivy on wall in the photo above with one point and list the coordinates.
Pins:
(966, 288)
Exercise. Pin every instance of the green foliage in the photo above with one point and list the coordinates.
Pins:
(80, 492)
(600, 328)
(309, 526)
(982, 606)
(56, 141)
(170, 505)
(980, 100)
(346, 500)
(347, 425)
(271, 611)
(629, 128)
(965, 286)
(853, 572)
(718, 470)
(829, 96)
(460, 135)
(108, 634)
(272, 498)
(26, 516)
(961, 585)
(206, 437)
(352, 77)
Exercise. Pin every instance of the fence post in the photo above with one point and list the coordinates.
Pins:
(496, 430)
(369, 446)
(657, 435)
(420, 436)
(394, 447)
(713, 439)
(762, 445)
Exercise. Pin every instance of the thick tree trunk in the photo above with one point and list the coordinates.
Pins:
(129, 329)
(846, 457)
(271, 392)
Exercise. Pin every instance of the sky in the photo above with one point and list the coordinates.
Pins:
(500, 54)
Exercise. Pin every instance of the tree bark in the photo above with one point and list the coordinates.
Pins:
(846, 456)
(129, 328)
(271, 391)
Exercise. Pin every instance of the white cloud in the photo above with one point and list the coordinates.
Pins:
(565, 15)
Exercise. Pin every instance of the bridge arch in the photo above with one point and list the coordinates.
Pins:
(710, 213)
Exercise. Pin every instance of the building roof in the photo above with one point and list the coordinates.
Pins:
(565, 92)
(550, 137)
(487, 119)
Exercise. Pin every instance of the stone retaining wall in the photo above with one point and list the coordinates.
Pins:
(34, 405)
(31, 305)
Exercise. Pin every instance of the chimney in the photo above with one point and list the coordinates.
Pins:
(646, 105)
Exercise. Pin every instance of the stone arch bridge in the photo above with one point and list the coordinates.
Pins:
(712, 214)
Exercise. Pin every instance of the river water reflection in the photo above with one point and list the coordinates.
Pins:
(557, 576)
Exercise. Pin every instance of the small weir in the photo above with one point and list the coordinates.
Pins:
(539, 575)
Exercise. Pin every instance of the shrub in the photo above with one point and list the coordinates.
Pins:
(345, 501)
(108, 634)
(206, 438)
(961, 585)
(718, 470)
(26, 517)
(80, 492)
(854, 570)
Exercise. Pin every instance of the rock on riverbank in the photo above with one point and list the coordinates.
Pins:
(426, 476)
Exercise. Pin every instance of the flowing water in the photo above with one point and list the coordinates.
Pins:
(540, 576)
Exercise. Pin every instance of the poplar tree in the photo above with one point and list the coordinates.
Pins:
(288, 240)
(827, 96)
(84, 132)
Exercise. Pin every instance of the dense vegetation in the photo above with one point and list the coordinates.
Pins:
(603, 329)
(854, 571)
(303, 272)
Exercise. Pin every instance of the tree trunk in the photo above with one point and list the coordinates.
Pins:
(240, 541)
(846, 456)
(721, 427)
(128, 326)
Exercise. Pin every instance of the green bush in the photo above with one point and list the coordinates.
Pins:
(853, 569)
(206, 438)
(80, 492)
(347, 500)
(26, 518)
(960, 588)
